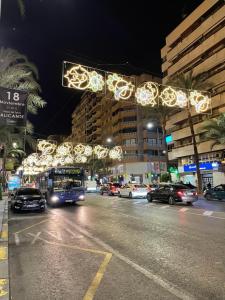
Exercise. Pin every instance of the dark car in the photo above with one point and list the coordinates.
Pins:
(173, 193)
(110, 189)
(218, 192)
(28, 199)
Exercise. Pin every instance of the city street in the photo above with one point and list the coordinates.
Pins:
(118, 248)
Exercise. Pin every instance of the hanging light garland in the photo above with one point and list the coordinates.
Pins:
(79, 149)
(182, 100)
(199, 101)
(65, 149)
(46, 147)
(101, 152)
(80, 159)
(147, 94)
(121, 88)
(168, 97)
(80, 78)
(116, 153)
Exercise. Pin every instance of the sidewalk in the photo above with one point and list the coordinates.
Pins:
(4, 266)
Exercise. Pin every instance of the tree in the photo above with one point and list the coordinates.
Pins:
(190, 82)
(215, 130)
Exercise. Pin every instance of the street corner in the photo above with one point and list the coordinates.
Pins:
(4, 289)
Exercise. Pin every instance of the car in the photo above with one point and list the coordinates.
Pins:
(134, 190)
(111, 188)
(91, 186)
(173, 193)
(26, 199)
(218, 192)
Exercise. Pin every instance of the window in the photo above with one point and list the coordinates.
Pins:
(128, 130)
(130, 119)
(130, 142)
(151, 152)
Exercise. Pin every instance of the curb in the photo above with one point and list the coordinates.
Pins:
(4, 264)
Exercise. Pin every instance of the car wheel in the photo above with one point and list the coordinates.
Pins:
(119, 195)
(130, 195)
(102, 193)
(149, 198)
(208, 197)
(171, 200)
(189, 203)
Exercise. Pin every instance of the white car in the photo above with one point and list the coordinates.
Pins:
(134, 190)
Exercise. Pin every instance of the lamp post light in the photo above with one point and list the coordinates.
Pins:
(109, 140)
(149, 125)
(14, 144)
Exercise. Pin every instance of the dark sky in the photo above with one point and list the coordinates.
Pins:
(124, 36)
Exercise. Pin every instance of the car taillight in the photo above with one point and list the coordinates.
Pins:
(180, 193)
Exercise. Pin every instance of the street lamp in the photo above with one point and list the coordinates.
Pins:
(14, 144)
(150, 125)
(109, 140)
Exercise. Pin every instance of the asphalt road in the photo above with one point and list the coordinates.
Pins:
(110, 248)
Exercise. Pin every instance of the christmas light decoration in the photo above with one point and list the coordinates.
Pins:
(79, 149)
(46, 147)
(88, 151)
(147, 93)
(121, 88)
(69, 160)
(65, 149)
(169, 97)
(80, 159)
(100, 151)
(182, 100)
(199, 101)
(116, 153)
(32, 159)
(80, 78)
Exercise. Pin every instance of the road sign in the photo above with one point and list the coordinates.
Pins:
(13, 107)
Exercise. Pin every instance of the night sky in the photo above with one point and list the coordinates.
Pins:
(124, 36)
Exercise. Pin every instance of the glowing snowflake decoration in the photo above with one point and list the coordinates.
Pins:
(100, 151)
(46, 147)
(147, 94)
(116, 153)
(182, 100)
(199, 101)
(79, 149)
(65, 149)
(88, 151)
(96, 81)
(80, 159)
(78, 77)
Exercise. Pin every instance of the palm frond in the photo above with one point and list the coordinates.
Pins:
(21, 5)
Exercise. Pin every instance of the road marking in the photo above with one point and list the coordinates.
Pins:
(98, 277)
(3, 283)
(17, 239)
(207, 213)
(129, 216)
(21, 218)
(22, 230)
(54, 234)
(36, 237)
(3, 253)
(147, 273)
(74, 235)
(164, 206)
(183, 209)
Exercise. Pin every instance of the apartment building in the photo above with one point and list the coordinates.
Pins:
(198, 44)
(99, 116)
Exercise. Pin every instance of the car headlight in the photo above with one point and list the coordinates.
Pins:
(81, 197)
(19, 201)
(54, 198)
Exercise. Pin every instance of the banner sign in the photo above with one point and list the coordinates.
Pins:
(13, 107)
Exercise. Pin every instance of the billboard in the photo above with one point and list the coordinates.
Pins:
(206, 166)
(13, 107)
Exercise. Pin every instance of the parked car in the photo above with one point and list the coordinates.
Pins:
(173, 193)
(110, 189)
(28, 199)
(134, 190)
(218, 192)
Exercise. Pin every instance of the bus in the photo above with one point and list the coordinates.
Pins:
(62, 185)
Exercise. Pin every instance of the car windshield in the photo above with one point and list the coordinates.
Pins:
(28, 192)
(62, 183)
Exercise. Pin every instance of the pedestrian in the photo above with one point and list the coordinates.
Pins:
(209, 186)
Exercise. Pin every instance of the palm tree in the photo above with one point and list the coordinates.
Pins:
(215, 130)
(17, 72)
(21, 6)
(190, 82)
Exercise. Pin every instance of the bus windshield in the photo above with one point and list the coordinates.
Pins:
(66, 182)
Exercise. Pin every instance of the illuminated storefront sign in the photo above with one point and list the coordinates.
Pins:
(207, 166)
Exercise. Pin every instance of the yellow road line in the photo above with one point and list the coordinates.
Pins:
(3, 283)
(22, 230)
(98, 277)
(3, 253)
(4, 235)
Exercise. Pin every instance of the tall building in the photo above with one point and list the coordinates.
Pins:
(99, 117)
(198, 44)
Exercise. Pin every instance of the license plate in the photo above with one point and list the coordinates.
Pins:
(69, 201)
(31, 205)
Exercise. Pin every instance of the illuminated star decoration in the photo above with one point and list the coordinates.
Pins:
(147, 94)
(121, 88)
(182, 100)
(199, 101)
(169, 97)
(80, 78)
(100, 151)
(116, 153)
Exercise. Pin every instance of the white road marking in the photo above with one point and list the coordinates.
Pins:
(147, 273)
(129, 216)
(207, 213)
(74, 235)
(164, 206)
(36, 237)
(183, 209)
(17, 239)
(55, 234)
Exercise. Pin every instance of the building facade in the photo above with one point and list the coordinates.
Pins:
(198, 44)
(99, 117)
